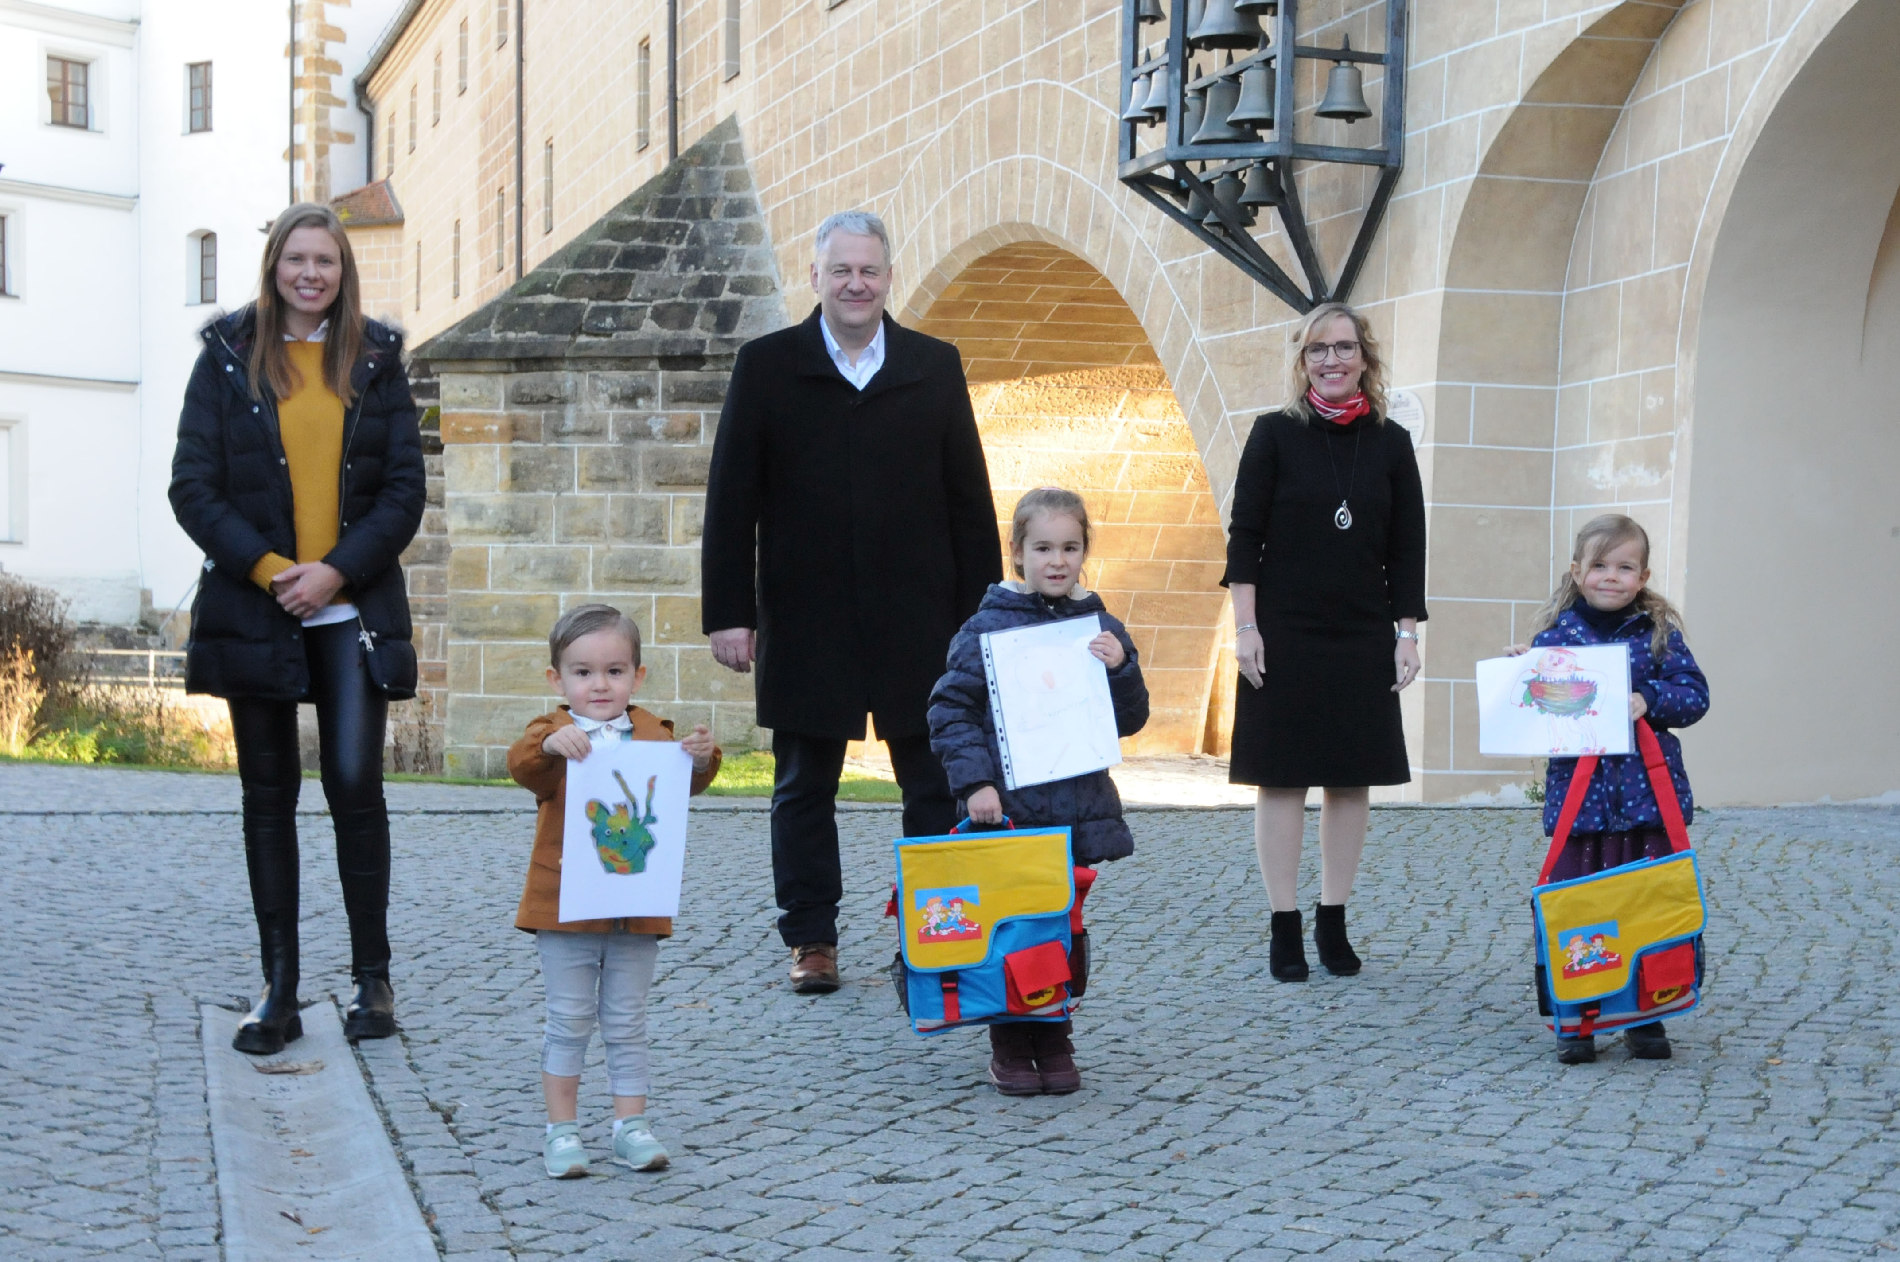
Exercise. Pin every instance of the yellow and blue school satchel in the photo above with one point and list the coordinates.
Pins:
(1622, 946)
(984, 921)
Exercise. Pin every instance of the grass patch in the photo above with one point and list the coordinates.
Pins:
(749, 774)
(130, 726)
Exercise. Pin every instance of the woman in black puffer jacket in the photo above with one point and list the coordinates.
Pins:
(299, 472)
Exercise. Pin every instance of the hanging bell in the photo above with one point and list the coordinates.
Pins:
(1226, 196)
(1345, 92)
(1158, 93)
(1194, 110)
(1258, 8)
(1222, 96)
(1262, 187)
(1224, 26)
(1138, 91)
(1199, 206)
(1256, 98)
(1149, 11)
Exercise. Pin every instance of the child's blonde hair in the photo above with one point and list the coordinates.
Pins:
(1044, 499)
(1598, 536)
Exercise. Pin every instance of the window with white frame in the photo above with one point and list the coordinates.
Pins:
(461, 58)
(412, 118)
(455, 260)
(198, 96)
(203, 261)
(501, 228)
(435, 108)
(501, 22)
(389, 147)
(732, 39)
(69, 89)
(12, 481)
(6, 259)
(643, 97)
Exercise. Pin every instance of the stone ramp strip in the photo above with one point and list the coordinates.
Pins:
(305, 1168)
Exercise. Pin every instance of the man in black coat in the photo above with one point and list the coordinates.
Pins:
(849, 532)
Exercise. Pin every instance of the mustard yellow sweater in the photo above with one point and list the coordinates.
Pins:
(310, 423)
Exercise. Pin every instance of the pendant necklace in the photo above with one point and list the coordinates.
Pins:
(1343, 518)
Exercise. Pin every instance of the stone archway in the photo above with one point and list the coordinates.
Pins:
(1794, 554)
(1068, 391)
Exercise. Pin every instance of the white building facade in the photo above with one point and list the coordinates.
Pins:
(144, 147)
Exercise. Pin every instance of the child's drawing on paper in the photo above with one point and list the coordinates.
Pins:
(1558, 688)
(1556, 702)
(622, 841)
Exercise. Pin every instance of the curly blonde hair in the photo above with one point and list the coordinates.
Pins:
(1372, 382)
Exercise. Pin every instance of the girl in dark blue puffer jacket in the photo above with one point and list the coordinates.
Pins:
(1605, 598)
(1049, 542)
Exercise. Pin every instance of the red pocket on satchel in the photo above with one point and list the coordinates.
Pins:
(1663, 975)
(1036, 977)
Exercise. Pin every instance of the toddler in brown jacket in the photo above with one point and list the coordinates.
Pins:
(592, 970)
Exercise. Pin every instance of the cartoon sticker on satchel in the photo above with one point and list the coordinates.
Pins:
(1589, 949)
(946, 913)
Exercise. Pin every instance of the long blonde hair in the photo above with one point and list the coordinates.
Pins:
(1372, 381)
(1598, 536)
(342, 341)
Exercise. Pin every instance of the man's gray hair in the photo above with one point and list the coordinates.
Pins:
(859, 223)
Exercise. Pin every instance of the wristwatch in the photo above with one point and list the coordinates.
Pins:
(1405, 635)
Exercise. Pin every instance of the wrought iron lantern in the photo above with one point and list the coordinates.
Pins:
(1210, 128)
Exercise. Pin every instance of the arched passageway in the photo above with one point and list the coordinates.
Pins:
(1793, 532)
(1068, 392)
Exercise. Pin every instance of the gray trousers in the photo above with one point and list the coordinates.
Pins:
(597, 978)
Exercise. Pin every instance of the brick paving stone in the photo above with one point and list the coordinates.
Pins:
(1415, 1111)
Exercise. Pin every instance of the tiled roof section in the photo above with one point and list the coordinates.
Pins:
(680, 268)
(372, 206)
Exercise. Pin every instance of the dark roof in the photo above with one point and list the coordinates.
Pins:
(372, 206)
(682, 267)
(384, 43)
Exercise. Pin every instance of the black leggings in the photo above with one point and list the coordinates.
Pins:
(351, 714)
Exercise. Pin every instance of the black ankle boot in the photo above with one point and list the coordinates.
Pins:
(1286, 952)
(1648, 1042)
(275, 1020)
(1329, 937)
(371, 1013)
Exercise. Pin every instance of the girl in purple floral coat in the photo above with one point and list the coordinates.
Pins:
(1605, 598)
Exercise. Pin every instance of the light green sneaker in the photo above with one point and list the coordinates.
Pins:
(562, 1153)
(635, 1147)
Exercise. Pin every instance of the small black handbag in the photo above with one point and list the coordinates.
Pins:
(391, 663)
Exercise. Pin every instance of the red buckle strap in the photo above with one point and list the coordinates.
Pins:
(1667, 804)
(952, 1009)
(1588, 1025)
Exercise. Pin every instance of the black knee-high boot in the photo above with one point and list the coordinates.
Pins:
(363, 868)
(270, 852)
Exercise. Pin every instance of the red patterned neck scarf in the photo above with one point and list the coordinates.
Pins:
(1342, 413)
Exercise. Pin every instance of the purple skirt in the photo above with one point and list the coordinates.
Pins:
(1586, 854)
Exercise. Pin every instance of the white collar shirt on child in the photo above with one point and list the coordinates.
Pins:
(603, 731)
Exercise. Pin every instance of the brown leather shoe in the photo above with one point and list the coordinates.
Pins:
(1055, 1058)
(1012, 1060)
(814, 969)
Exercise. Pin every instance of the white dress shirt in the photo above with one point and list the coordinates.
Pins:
(870, 359)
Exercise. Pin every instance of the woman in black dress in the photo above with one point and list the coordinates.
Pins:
(1326, 560)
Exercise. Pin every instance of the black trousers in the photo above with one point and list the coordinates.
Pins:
(351, 718)
(806, 877)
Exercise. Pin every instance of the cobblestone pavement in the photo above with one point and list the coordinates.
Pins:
(1413, 1112)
